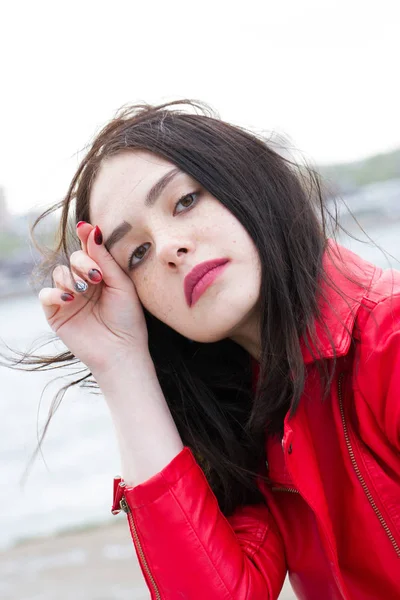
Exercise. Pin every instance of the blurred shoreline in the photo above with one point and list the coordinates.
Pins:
(69, 564)
(84, 529)
(85, 564)
(16, 290)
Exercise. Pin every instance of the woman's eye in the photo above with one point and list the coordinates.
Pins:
(186, 201)
(137, 255)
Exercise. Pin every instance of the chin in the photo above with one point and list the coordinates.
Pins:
(215, 329)
(207, 333)
(208, 337)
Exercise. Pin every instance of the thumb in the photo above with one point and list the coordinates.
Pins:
(113, 275)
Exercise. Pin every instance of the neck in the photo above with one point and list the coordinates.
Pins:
(248, 336)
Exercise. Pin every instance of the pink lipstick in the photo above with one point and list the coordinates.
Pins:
(201, 277)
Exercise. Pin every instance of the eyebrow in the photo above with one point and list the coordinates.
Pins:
(151, 198)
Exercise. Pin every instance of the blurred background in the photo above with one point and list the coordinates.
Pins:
(322, 76)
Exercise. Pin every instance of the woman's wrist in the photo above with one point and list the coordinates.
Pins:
(124, 367)
(147, 435)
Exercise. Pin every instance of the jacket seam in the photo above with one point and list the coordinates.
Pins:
(131, 490)
(249, 555)
(374, 287)
(252, 553)
(375, 305)
(368, 478)
(200, 542)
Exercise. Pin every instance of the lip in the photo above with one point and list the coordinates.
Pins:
(197, 274)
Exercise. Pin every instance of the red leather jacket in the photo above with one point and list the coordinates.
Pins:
(333, 520)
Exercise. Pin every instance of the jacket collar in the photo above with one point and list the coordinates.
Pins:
(352, 276)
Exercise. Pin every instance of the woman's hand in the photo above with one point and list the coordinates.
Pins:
(105, 328)
(105, 324)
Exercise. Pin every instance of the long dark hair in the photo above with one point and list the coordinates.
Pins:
(209, 387)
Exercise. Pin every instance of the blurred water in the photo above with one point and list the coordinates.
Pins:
(75, 488)
(80, 449)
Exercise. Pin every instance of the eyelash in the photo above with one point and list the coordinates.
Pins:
(195, 200)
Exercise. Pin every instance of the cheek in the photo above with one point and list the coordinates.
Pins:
(146, 288)
(154, 296)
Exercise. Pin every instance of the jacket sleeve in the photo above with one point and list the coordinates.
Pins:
(186, 547)
(378, 376)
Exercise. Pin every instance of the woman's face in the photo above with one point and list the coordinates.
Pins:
(166, 225)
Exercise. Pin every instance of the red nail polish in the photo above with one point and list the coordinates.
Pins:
(95, 275)
(67, 297)
(98, 236)
(80, 223)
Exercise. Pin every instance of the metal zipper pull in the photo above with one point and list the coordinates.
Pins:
(124, 505)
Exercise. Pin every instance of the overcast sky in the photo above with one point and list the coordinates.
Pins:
(325, 73)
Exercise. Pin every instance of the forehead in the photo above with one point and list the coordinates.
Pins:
(122, 180)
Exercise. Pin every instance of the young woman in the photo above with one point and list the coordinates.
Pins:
(251, 364)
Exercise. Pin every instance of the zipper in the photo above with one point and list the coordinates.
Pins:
(124, 506)
(277, 488)
(359, 474)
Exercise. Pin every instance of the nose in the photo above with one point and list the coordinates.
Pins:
(174, 252)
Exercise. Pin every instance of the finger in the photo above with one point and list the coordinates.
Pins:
(85, 267)
(83, 230)
(113, 275)
(52, 299)
(64, 280)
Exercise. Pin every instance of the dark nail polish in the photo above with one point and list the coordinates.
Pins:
(95, 275)
(80, 223)
(67, 297)
(98, 236)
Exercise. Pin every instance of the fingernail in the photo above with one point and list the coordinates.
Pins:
(67, 297)
(80, 223)
(95, 275)
(98, 236)
(80, 286)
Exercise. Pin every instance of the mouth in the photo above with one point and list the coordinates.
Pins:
(201, 277)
